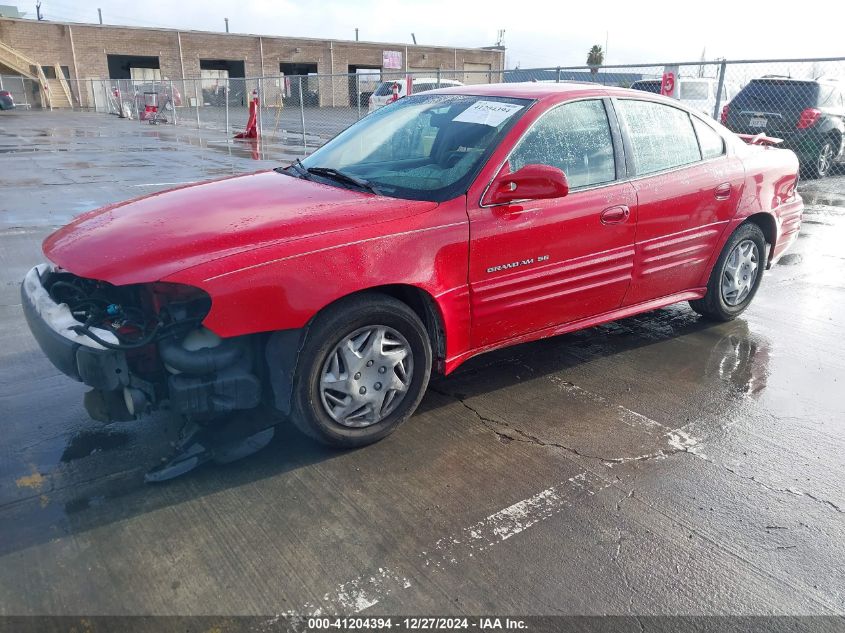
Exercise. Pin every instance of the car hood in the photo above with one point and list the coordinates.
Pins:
(149, 238)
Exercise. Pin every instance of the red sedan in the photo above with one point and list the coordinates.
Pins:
(446, 225)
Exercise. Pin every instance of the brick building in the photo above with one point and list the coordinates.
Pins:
(90, 51)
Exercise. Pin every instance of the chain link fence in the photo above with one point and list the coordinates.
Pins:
(299, 113)
(23, 91)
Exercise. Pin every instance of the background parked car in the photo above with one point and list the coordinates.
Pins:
(6, 100)
(698, 93)
(809, 115)
(384, 93)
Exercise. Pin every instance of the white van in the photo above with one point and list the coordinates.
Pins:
(697, 93)
(384, 93)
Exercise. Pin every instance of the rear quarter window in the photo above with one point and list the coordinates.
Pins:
(710, 141)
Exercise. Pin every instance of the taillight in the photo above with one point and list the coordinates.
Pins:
(808, 118)
(724, 118)
(5, 93)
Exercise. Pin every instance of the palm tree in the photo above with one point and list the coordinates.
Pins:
(595, 58)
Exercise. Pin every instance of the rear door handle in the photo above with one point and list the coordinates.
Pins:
(615, 215)
(723, 191)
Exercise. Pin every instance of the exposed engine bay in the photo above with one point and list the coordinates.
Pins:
(143, 348)
(171, 359)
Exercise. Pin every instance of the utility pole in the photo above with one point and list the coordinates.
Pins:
(100, 12)
(414, 37)
(356, 33)
(38, 10)
(227, 24)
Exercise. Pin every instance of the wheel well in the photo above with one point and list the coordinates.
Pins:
(426, 309)
(836, 136)
(767, 224)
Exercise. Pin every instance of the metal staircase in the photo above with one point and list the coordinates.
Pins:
(55, 95)
(60, 94)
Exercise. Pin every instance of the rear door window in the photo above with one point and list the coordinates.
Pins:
(574, 137)
(662, 136)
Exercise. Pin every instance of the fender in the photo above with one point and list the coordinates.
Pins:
(762, 197)
(282, 287)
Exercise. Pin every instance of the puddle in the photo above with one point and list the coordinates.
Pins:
(91, 442)
(790, 259)
(824, 198)
(83, 503)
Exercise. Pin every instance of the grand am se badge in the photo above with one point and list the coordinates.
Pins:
(517, 264)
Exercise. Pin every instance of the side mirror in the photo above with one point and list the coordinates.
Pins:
(532, 182)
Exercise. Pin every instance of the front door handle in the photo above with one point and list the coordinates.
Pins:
(723, 191)
(615, 215)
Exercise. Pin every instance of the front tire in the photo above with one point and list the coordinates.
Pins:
(736, 276)
(362, 371)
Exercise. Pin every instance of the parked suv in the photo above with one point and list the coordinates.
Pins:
(809, 115)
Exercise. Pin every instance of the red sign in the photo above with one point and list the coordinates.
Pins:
(669, 83)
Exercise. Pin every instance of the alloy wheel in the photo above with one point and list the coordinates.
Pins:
(825, 159)
(366, 376)
(740, 272)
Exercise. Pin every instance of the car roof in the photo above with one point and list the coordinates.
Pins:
(543, 91)
(831, 81)
(451, 82)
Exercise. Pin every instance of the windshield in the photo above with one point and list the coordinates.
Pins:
(426, 147)
(647, 86)
(384, 89)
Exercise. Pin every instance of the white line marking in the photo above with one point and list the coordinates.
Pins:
(166, 184)
(367, 590)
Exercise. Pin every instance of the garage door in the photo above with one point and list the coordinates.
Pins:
(144, 74)
(473, 74)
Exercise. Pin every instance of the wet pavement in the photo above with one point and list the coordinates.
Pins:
(657, 465)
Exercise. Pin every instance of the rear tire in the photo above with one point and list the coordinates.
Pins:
(736, 275)
(823, 161)
(362, 371)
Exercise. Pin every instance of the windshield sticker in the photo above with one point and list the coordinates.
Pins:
(490, 113)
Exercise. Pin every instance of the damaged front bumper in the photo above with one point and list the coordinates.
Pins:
(200, 383)
(73, 354)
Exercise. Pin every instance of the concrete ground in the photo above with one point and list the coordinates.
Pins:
(657, 465)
